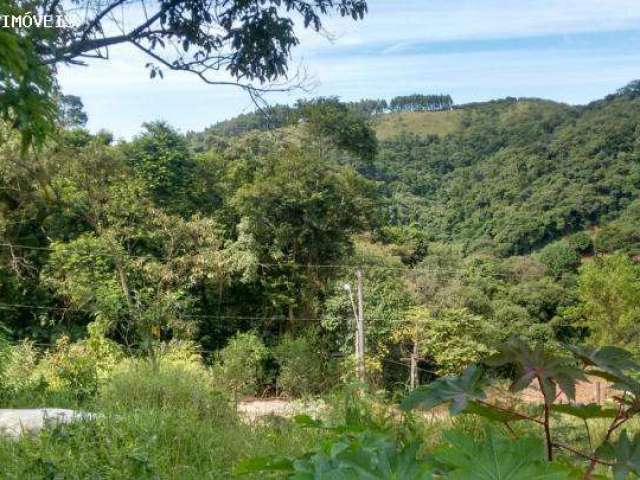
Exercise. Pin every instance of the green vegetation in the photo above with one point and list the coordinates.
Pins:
(390, 452)
(421, 124)
(158, 281)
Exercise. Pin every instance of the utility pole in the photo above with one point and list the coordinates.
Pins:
(414, 366)
(360, 371)
(356, 347)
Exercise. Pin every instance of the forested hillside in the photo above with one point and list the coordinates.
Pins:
(161, 280)
(517, 174)
(476, 223)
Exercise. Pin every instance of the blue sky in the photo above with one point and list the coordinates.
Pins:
(573, 51)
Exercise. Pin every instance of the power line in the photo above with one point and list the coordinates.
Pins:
(13, 307)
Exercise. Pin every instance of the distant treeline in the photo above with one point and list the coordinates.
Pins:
(278, 116)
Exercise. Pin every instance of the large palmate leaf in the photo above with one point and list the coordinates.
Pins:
(367, 456)
(611, 363)
(458, 391)
(585, 412)
(550, 370)
(624, 454)
(496, 458)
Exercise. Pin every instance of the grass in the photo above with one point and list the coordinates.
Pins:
(169, 421)
(417, 123)
(164, 422)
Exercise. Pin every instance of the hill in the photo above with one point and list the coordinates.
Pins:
(515, 175)
(506, 176)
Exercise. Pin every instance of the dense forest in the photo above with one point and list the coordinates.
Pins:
(522, 219)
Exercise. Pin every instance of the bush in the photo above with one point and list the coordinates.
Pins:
(139, 384)
(69, 369)
(240, 366)
(580, 242)
(303, 367)
(456, 337)
(559, 258)
(619, 237)
(17, 369)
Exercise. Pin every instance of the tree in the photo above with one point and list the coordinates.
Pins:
(71, 111)
(161, 158)
(26, 84)
(451, 339)
(301, 210)
(343, 127)
(559, 257)
(251, 41)
(609, 300)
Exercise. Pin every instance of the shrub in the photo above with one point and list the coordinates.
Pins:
(106, 352)
(559, 258)
(580, 242)
(183, 352)
(70, 368)
(303, 367)
(240, 366)
(19, 363)
(139, 384)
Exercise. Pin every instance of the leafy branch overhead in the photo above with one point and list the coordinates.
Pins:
(239, 43)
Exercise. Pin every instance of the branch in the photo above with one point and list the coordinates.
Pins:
(512, 412)
(581, 454)
(251, 89)
(96, 21)
(620, 418)
(83, 45)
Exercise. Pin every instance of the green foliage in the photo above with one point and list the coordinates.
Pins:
(515, 175)
(585, 412)
(550, 371)
(69, 368)
(367, 455)
(300, 211)
(624, 453)
(162, 421)
(138, 384)
(559, 257)
(458, 391)
(343, 127)
(496, 457)
(241, 364)
(19, 364)
(609, 300)
(304, 367)
(162, 160)
(418, 102)
(26, 84)
(455, 338)
(621, 235)
(581, 242)
(71, 112)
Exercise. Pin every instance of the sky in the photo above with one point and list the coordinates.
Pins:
(572, 51)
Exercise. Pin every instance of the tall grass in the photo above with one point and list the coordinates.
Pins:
(155, 421)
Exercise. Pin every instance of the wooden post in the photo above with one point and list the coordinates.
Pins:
(414, 367)
(598, 394)
(360, 369)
